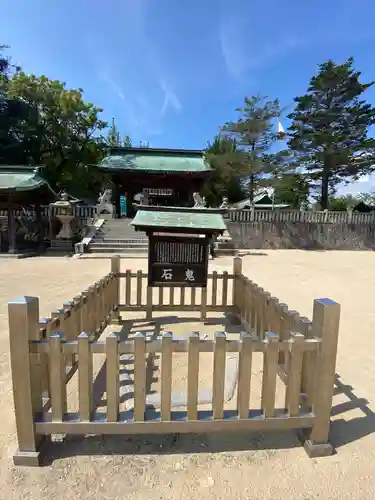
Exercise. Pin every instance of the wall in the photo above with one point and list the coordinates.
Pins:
(304, 230)
(308, 236)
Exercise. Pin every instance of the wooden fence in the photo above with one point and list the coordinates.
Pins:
(293, 216)
(303, 353)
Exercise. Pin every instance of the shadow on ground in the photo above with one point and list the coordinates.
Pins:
(170, 444)
(347, 431)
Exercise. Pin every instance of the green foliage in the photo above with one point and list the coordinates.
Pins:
(340, 203)
(113, 137)
(367, 198)
(254, 135)
(224, 181)
(58, 129)
(291, 189)
(329, 128)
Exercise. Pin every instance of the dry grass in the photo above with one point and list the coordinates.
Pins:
(222, 466)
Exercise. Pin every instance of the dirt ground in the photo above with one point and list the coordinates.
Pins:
(225, 466)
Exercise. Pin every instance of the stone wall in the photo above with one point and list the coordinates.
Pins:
(297, 235)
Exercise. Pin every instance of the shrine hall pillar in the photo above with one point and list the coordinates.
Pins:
(116, 197)
(11, 227)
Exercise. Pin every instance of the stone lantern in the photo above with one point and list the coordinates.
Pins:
(64, 212)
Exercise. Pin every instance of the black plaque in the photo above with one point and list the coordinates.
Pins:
(177, 261)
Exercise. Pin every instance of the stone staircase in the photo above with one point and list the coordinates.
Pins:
(118, 236)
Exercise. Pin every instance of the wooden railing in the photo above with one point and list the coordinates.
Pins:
(136, 295)
(303, 353)
(322, 217)
(91, 311)
(81, 212)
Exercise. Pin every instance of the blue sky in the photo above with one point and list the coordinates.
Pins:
(172, 72)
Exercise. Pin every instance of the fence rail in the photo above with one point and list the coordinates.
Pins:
(81, 211)
(323, 217)
(303, 353)
(135, 295)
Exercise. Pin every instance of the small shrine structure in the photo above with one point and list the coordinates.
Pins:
(179, 240)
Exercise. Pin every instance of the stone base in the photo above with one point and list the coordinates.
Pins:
(317, 450)
(27, 458)
(314, 450)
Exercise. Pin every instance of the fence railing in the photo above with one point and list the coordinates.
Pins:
(81, 211)
(303, 353)
(135, 295)
(323, 217)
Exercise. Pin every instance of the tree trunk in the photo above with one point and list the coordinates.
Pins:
(251, 188)
(325, 183)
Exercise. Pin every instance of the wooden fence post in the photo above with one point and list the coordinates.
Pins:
(237, 270)
(115, 269)
(23, 315)
(325, 326)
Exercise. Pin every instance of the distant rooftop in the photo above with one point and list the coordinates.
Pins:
(155, 160)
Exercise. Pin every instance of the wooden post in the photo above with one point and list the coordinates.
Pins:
(23, 316)
(149, 303)
(11, 227)
(237, 270)
(39, 223)
(325, 326)
(115, 269)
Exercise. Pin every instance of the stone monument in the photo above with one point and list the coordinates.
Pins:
(64, 212)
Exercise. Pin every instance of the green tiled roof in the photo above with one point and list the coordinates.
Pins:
(16, 178)
(179, 220)
(154, 160)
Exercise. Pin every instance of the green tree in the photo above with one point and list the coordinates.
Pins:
(340, 203)
(329, 130)
(224, 180)
(12, 111)
(127, 142)
(254, 135)
(61, 131)
(113, 137)
(292, 189)
(367, 198)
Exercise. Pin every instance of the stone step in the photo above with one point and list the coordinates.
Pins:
(118, 245)
(121, 241)
(120, 250)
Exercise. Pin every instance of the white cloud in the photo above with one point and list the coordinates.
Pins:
(243, 51)
(170, 98)
(141, 79)
(366, 184)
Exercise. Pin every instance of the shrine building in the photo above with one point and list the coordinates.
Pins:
(22, 186)
(165, 177)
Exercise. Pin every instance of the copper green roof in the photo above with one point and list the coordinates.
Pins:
(199, 220)
(20, 178)
(154, 160)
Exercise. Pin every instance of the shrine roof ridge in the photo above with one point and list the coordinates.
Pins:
(155, 160)
(117, 150)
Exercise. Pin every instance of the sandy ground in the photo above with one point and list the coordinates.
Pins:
(221, 466)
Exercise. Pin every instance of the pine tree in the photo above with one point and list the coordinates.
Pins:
(329, 128)
(254, 134)
(113, 138)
